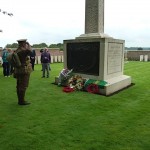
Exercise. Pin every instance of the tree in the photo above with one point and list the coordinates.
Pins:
(140, 48)
(14, 45)
(41, 45)
(59, 45)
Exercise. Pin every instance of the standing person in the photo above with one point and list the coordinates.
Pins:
(6, 66)
(41, 51)
(11, 67)
(22, 73)
(46, 60)
(32, 58)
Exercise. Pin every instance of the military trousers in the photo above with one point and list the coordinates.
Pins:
(22, 81)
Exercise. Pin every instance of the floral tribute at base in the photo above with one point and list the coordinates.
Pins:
(73, 82)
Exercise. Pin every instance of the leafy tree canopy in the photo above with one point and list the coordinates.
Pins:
(140, 48)
(41, 45)
(59, 45)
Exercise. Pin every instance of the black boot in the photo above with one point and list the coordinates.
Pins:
(24, 103)
(21, 100)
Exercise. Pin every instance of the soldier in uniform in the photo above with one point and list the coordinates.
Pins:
(22, 73)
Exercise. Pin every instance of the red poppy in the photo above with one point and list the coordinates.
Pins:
(93, 88)
(68, 89)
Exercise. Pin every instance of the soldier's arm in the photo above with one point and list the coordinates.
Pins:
(28, 48)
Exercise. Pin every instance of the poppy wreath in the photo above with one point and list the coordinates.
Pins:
(76, 82)
(93, 88)
(68, 89)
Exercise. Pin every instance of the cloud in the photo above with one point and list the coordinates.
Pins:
(54, 21)
(48, 21)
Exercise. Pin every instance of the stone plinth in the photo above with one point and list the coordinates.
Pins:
(98, 59)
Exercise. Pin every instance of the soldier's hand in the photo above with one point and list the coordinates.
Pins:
(28, 46)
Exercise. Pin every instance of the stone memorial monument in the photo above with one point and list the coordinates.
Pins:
(96, 55)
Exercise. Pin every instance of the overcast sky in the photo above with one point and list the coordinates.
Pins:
(52, 21)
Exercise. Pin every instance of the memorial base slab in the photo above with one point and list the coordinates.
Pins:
(116, 84)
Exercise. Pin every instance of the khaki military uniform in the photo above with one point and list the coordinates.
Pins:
(22, 74)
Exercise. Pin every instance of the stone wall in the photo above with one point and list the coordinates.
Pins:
(138, 55)
(53, 51)
(56, 55)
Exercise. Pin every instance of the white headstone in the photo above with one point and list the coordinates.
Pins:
(35, 60)
(39, 59)
(1, 61)
(62, 58)
(59, 58)
(146, 58)
(55, 58)
(52, 59)
(141, 57)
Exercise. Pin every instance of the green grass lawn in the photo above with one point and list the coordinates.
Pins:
(79, 120)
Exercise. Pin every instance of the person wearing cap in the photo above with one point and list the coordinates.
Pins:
(46, 60)
(22, 73)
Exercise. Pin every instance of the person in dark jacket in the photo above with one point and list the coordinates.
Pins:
(46, 60)
(41, 51)
(32, 58)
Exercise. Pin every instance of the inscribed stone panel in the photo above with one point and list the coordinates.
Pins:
(114, 58)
